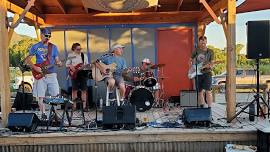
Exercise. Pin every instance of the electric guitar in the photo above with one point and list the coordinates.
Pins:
(78, 67)
(44, 68)
(98, 75)
(192, 71)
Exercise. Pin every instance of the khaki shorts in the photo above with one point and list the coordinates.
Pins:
(48, 83)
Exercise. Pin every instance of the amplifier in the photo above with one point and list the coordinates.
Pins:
(188, 98)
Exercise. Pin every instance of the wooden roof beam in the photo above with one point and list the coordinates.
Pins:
(216, 9)
(61, 6)
(122, 18)
(210, 11)
(179, 4)
(18, 10)
(27, 8)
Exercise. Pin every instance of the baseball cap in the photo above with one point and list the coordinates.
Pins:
(116, 46)
(45, 31)
(146, 60)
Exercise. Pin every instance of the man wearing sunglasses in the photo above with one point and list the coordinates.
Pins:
(46, 55)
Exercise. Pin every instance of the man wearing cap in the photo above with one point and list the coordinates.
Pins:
(117, 79)
(44, 51)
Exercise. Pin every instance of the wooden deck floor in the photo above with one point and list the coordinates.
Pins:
(220, 132)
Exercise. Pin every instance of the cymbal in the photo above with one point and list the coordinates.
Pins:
(155, 66)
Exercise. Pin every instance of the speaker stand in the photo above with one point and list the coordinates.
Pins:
(256, 99)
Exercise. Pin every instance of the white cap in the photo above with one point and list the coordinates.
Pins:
(116, 46)
(146, 60)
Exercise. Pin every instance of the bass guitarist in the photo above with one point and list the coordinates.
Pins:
(75, 64)
(204, 55)
(46, 53)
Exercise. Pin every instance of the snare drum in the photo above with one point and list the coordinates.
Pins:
(149, 80)
(142, 98)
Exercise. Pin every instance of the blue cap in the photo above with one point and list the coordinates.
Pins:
(45, 31)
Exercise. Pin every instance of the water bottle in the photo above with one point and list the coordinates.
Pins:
(251, 112)
(100, 103)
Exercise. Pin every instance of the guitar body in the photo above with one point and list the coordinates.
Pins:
(44, 67)
(73, 74)
(192, 71)
(98, 75)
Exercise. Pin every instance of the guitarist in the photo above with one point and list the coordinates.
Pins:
(77, 57)
(44, 51)
(121, 66)
(204, 55)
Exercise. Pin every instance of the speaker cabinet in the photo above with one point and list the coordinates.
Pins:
(23, 122)
(197, 116)
(23, 101)
(188, 98)
(258, 39)
(117, 116)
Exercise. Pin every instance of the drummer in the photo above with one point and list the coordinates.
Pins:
(143, 72)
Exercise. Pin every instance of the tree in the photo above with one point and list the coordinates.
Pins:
(19, 51)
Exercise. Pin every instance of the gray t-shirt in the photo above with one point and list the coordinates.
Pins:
(203, 57)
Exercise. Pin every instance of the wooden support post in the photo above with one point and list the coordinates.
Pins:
(37, 31)
(4, 66)
(231, 60)
(11, 29)
(201, 29)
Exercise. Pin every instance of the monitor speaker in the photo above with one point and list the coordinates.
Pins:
(258, 39)
(118, 116)
(22, 122)
(197, 117)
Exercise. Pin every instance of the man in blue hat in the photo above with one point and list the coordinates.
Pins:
(44, 70)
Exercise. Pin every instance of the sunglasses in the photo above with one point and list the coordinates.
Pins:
(78, 49)
(47, 35)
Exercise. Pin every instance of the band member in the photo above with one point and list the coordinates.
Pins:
(44, 51)
(204, 55)
(117, 79)
(75, 63)
(143, 71)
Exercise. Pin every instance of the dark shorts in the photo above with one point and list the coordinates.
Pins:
(80, 83)
(205, 82)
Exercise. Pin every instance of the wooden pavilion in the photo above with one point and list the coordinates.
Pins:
(175, 19)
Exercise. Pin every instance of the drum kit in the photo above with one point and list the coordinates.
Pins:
(149, 90)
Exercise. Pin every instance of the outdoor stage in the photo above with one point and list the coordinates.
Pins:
(145, 138)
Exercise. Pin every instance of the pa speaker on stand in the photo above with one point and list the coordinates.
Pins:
(258, 39)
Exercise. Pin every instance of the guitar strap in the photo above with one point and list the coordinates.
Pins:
(82, 56)
(49, 56)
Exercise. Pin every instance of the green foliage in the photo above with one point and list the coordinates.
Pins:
(242, 61)
(19, 50)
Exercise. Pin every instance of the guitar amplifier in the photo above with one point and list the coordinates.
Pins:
(188, 98)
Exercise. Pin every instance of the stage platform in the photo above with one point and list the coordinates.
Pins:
(151, 138)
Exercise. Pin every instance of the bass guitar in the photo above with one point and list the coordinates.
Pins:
(192, 71)
(98, 75)
(44, 68)
(73, 73)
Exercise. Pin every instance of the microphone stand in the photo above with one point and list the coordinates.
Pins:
(196, 79)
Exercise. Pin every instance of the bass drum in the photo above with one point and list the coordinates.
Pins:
(142, 98)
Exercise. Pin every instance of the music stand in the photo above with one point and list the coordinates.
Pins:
(23, 68)
(256, 99)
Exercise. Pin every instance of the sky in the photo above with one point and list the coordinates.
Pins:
(214, 32)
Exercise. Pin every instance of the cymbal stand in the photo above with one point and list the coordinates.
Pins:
(162, 96)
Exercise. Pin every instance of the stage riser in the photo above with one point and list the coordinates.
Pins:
(128, 147)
